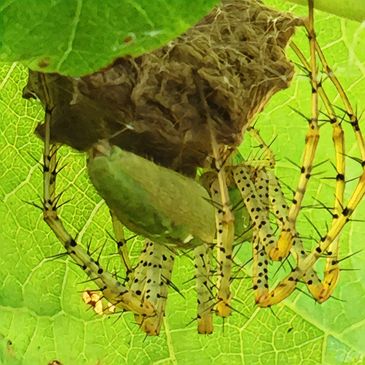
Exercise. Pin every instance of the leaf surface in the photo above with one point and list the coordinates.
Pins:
(79, 37)
(351, 9)
(42, 316)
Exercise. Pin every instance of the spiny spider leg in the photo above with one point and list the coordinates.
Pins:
(255, 204)
(121, 242)
(263, 234)
(285, 241)
(224, 218)
(140, 271)
(332, 271)
(224, 237)
(354, 121)
(256, 185)
(151, 282)
(286, 286)
(269, 158)
(112, 290)
(204, 288)
(330, 241)
(320, 291)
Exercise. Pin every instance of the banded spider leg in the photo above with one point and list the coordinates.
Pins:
(115, 292)
(285, 241)
(328, 244)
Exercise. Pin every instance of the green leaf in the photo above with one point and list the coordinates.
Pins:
(351, 9)
(79, 37)
(41, 310)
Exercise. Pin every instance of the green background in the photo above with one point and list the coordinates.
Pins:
(42, 316)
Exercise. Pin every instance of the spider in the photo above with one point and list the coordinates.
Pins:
(145, 291)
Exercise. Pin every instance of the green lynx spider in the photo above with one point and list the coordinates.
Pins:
(148, 301)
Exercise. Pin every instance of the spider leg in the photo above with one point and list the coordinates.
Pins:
(332, 271)
(305, 263)
(331, 266)
(140, 271)
(338, 224)
(285, 241)
(152, 278)
(225, 236)
(224, 217)
(255, 195)
(286, 286)
(204, 288)
(329, 243)
(321, 291)
(112, 290)
(254, 200)
(121, 242)
(259, 268)
(262, 231)
(268, 159)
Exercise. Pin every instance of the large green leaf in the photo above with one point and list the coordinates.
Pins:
(42, 316)
(79, 37)
(352, 9)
